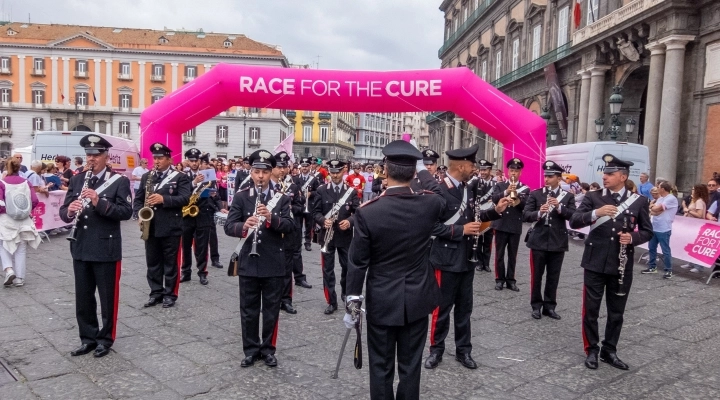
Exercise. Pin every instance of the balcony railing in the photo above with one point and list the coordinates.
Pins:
(290, 114)
(38, 105)
(5, 132)
(325, 115)
(613, 19)
(125, 77)
(6, 104)
(308, 114)
(157, 78)
(535, 65)
(188, 139)
(37, 72)
(465, 26)
(5, 71)
(188, 79)
(221, 141)
(81, 74)
(254, 142)
(433, 116)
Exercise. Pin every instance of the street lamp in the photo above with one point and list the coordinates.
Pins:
(630, 126)
(551, 136)
(616, 101)
(244, 117)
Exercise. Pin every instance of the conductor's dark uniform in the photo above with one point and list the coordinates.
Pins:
(325, 198)
(484, 191)
(508, 230)
(197, 230)
(97, 250)
(548, 242)
(450, 255)
(302, 181)
(261, 277)
(601, 261)
(401, 290)
(166, 227)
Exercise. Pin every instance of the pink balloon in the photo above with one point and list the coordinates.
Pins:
(459, 90)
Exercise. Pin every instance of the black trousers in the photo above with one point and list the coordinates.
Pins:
(214, 253)
(541, 261)
(595, 284)
(297, 261)
(105, 276)
(199, 239)
(288, 278)
(511, 241)
(161, 255)
(485, 248)
(328, 266)
(309, 227)
(408, 342)
(456, 289)
(256, 295)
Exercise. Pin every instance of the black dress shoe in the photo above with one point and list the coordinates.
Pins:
(185, 278)
(83, 349)
(270, 360)
(592, 361)
(152, 302)
(512, 286)
(499, 286)
(308, 247)
(248, 361)
(551, 313)
(433, 361)
(304, 284)
(479, 268)
(466, 360)
(288, 308)
(331, 308)
(101, 351)
(613, 360)
(217, 264)
(536, 314)
(486, 268)
(203, 280)
(168, 302)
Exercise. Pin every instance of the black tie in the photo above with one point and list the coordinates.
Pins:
(616, 197)
(93, 182)
(337, 191)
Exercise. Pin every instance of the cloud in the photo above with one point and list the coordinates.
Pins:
(346, 34)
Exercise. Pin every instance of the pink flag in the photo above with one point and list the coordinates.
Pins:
(287, 146)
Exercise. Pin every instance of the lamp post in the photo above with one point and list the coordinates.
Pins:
(244, 116)
(545, 114)
(614, 130)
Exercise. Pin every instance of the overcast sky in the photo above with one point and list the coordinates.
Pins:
(346, 34)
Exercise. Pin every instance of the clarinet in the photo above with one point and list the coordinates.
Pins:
(623, 260)
(547, 214)
(73, 231)
(253, 249)
(476, 240)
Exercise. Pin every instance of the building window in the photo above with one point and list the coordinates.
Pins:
(81, 98)
(155, 98)
(592, 11)
(221, 134)
(291, 130)
(483, 71)
(283, 135)
(158, 73)
(38, 64)
(126, 101)
(563, 22)
(455, 24)
(5, 123)
(465, 13)
(190, 72)
(477, 4)
(307, 133)
(38, 96)
(124, 128)
(323, 152)
(5, 95)
(81, 68)
(125, 69)
(5, 65)
(498, 64)
(227, 43)
(537, 35)
(515, 54)
(254, 135)
(324, 134)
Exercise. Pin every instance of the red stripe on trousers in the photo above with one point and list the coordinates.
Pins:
(325, 289)
(116, 304)
(275, 333)
(436, 311)
(496, 252)
(179, 268)
(532, 273)
(586, 343)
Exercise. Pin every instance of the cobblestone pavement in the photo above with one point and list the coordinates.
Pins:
(670, 340)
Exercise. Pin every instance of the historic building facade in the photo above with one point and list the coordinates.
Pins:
(374, 131)
(568, 56)
(322, 134)
(66, 77)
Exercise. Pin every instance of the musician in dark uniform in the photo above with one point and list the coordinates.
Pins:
(243, 173)
(450, 255)
(217, 205)
(261, 275)
(429, 158)
(484, 186)
(326, 197)
(197, 230)
(307, 180)
(401, 288)
(605, 211)
(508, 229)
(548, 209)
(97, 249)
(171, 192)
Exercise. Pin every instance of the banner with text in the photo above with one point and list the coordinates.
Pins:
(47, 213)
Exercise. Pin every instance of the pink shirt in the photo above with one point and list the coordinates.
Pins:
(222, 179)
(15, 179)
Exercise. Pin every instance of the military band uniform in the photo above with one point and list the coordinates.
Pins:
(216, 204)
(325, 198)
(292, 242)
(166, 228)
(261, 278)
(547, 244)
(97, 251)
(601, 260)
(197, 230)
(485, 189)
(308, 219)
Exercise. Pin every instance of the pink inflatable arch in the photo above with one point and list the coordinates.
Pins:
(459, 90)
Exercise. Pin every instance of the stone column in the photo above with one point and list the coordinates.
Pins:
(582, 135)
(174, 75)
(671, 109)
(54, 80)
(141, 95)
(53, 124)
(108, 82)
(97, 125)
(654, 101)
(98, 84)
(65, 125)
(21, 67)
(597, 99)
(457, 134)
(66, 81)
(446, 144)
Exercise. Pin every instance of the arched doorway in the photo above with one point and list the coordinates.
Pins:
(634, 94)
(82, 128)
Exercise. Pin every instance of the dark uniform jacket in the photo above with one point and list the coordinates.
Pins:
(240, 178)
(206, 214)
(270, 246)
(482, 188)
(401, 286)
(451, 249)
(98, 227)
(324, 200)
(553, 237)
(297, 205)
(512, 218)
(167, 220)
(602, 246)
(300, 180)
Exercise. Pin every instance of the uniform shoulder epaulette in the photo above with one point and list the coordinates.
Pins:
(369, 202)
(427, 192)
(243, 190)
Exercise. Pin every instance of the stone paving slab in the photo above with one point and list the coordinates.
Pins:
(671, 340)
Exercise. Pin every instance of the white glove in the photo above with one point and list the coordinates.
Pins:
(349, 321)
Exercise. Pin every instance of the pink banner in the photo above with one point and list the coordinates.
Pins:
(47, 213)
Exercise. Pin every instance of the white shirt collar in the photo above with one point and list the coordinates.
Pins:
(100, 175)
(453, 180)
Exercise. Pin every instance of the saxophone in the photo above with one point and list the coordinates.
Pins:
(146, 214)
(192, 209)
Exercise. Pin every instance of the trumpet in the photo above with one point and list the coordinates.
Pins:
(146, 213)
(73, 231)
(253, 249)
(513, 193)
(330, 232)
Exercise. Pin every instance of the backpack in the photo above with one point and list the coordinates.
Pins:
(17, 200)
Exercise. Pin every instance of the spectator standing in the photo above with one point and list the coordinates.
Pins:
(52, 181)
(645, 185)
(17, 228)
(369, 177)
(136, 177)
(696, 209)
(594, 186)
(663, 210)
(79, 165)
(63, 165)
(356, 181)
(35, 178)
(222, 180)
(23, 169)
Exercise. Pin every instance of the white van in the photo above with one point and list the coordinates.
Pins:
(124, 155)
(585, 159)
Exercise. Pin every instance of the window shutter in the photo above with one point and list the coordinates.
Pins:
(186, 70)
(42, 63)
(9, 120)
(77, 65)
(162, 69)
(42, 124)
(130, 103)
(42, 97)
(9, 95)
(120, 103)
